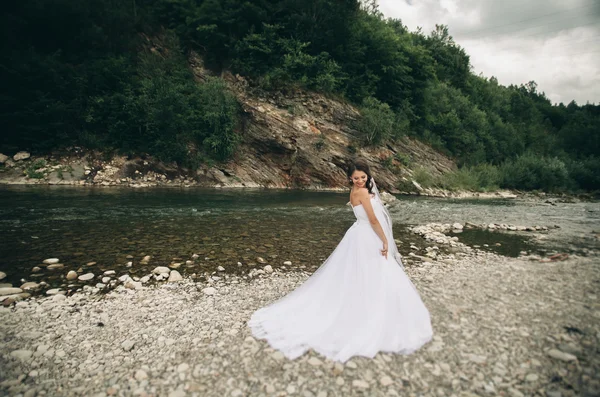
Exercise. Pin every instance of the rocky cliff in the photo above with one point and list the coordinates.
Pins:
(293, 140)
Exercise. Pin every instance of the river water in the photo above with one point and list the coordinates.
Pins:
(98, 229)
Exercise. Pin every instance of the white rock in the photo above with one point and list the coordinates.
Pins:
(72, 275)
(51, 261)
(124, 278)
(183, 367)
(127, 345)
(145, 279)
(10, 291)
(105, 280)
(109, 273)
(220, 269)
(86, 277)
(54, 291)
(315, 361)
(531, 377)
(55, 266)
(3, 158)
(386, 381)
(559, 355)
(174, 276)
(268, 269)
(133, 284)
(2, 275)
(209, 291)
(287, 263)
(140, 375)
(21, 156)
(457, 226)
(22, 355)
(58, 298)
(360, 384)
(29, 285)
(161, 270)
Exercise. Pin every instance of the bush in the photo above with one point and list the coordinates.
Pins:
(376, 123)
(219, 117)
(585, 173)
(533, 172)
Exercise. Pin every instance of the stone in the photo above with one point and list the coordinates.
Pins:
(29, 286)
(2, 275)
(10, 291)
(209, 291)
(21, 355)
(55, 266)
(174, 276)
(361, 384)
(457, 226)
(386, 381)
(54, 291)
(532, 378)
(559, 355)
(128, 345)
(183, 367)
(3, 158)
(21, 156)
(140, 375)
(268, 269)
(71, 275)
(86, 277)
(109, 273)
(130, 284)
(51, 261)
(287, 263)
(161, 270)
(315, 362)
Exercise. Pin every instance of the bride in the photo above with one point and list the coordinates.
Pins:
(360, 301)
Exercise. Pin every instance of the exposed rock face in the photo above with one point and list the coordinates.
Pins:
(305, 140)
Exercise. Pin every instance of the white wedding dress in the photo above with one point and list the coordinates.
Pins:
(357, 303)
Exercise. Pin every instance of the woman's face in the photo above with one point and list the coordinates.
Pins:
(359, 178)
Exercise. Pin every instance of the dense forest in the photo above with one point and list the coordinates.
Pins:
(80, 73)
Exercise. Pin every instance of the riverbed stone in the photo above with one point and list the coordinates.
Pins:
(22, 155)
(86, 277)
(10, 291)
(161, 270)
(174, 276)
(2, 275)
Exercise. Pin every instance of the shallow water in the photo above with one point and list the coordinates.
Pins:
(81, 225)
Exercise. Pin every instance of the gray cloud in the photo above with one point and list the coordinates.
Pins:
(552, 42)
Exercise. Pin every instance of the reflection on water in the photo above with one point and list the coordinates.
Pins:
(80, 225)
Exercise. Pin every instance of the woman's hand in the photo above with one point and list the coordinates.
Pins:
(384, 251)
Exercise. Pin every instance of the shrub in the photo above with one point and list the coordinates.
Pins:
(376, 123)
(532, 172)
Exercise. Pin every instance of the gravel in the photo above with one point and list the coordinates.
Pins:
(502, 326)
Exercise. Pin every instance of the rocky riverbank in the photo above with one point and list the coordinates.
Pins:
(79, 167)
(512, 327)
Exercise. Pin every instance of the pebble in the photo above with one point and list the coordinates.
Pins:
(209, 291)
(71, 275)
(86, 277)
(2, 275)
(51, 261)
(174, 276)
(360, 384)
(559, 355)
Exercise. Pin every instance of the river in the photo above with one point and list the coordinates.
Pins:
(98, 229)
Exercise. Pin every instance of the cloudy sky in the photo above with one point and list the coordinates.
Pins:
(554, 42)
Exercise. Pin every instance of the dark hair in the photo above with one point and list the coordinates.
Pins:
(361, 165)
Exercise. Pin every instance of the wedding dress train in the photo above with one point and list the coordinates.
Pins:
(356, 304)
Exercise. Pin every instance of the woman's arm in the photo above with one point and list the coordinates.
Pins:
(365, 200)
